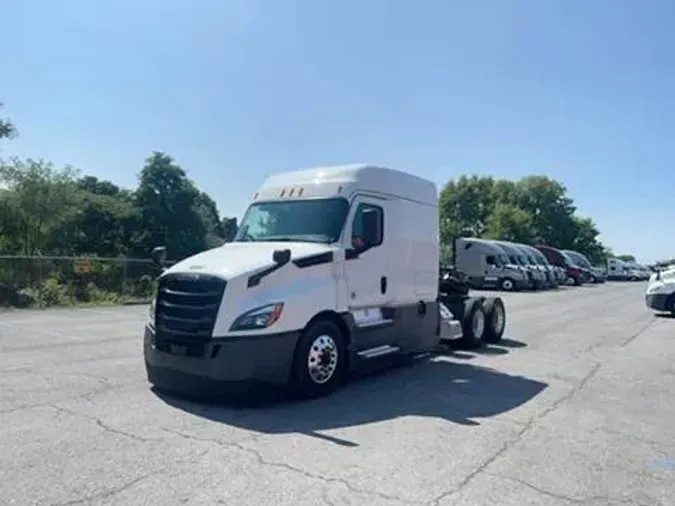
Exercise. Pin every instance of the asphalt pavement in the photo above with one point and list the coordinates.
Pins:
(576, 406)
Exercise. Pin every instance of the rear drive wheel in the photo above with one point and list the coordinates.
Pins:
(473, 324)
(507, 285)
(495, 314)
(319, 360)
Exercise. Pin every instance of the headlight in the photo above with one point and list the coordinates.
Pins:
(151, 311)
(259, 318)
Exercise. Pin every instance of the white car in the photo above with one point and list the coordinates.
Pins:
(660, 294)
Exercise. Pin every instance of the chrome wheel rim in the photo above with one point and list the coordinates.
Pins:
(322, 360)
(507, 284)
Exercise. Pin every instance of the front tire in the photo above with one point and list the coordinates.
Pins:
(507, 284)
(319, 361)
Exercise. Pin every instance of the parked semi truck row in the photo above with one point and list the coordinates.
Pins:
(331, 269)
(513, 266)
(619, 270)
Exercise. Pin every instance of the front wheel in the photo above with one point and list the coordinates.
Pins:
(319, 360)
(507, 285)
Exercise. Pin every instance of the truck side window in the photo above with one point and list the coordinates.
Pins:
(491, 260)
(367, 227)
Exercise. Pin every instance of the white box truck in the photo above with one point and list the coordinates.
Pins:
(332, 268)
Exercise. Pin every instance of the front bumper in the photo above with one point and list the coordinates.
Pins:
(221, 365)
(657, 301)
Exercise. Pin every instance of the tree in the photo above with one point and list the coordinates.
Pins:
(208, 211)
(230, 228)
(552, 211)
(168, 203)
(7, 128)
(38, 200)
(465, 206)
(625, 258)
(586, 240)
(532, 209)
(510, 223)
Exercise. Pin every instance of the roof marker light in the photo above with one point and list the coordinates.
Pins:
(290, 193)
(300, 192)
(282, 192)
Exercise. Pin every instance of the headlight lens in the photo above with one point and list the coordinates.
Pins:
(259, 318)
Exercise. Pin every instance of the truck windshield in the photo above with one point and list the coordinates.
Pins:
(503, 259)
(317, 220)
(566, 258)
(577, 258)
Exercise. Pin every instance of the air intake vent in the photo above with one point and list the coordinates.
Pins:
(187, 307)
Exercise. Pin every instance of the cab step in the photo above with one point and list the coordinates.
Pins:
(378, 351)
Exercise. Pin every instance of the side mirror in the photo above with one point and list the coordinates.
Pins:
(281, 256)
(158, 255)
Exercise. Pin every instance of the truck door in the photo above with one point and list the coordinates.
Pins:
(492, 272)
(367, 272)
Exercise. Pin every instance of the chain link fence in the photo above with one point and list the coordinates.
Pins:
(44, 281)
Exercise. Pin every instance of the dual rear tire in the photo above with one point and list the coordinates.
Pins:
(483, 321)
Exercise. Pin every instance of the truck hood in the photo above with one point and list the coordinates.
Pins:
(237, 258)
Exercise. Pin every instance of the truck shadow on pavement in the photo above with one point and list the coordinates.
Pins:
(436, 387)
(456, 350)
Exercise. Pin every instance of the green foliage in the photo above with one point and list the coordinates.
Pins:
(7, 128)
(625, 258)
(532, 209)
(49, 211)
(45, 211)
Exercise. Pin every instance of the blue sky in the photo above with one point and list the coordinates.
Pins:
(583, 91)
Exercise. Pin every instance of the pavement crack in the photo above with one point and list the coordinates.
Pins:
(101, 424)
(539, 490)
(604, 500)
(108, 493)
(518, 436)
(87, 396)
(632, 338)
(296, 470)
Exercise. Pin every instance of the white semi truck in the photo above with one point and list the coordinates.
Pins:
(332, 268)
(660, 294)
